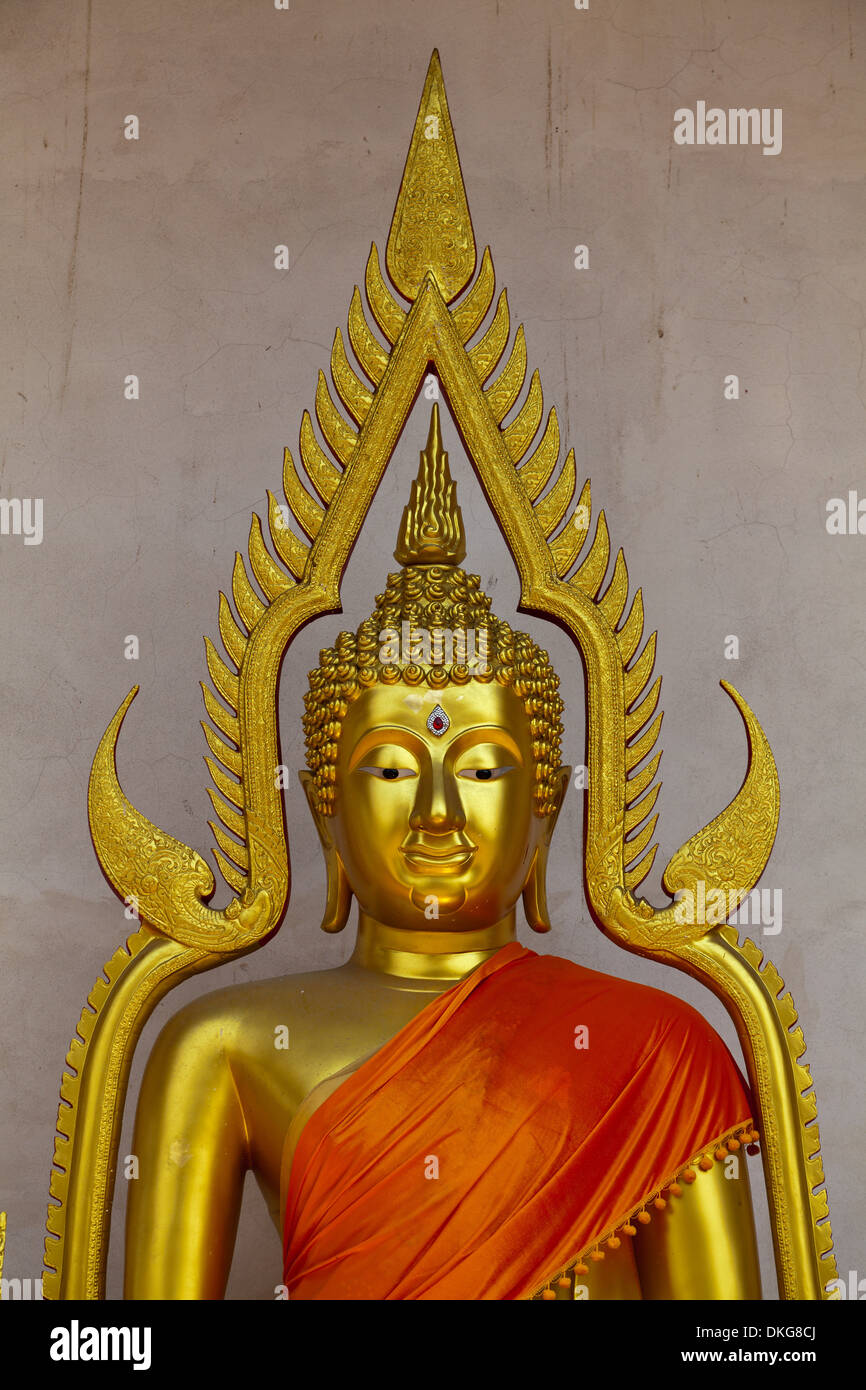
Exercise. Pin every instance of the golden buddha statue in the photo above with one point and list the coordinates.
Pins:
(435, 786)
(447, 1114)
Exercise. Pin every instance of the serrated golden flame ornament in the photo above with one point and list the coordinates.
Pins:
(431, 259)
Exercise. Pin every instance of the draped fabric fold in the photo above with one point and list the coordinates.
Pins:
(512, 1122)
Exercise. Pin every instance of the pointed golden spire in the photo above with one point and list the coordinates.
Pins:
(431, 228)
(431, 531)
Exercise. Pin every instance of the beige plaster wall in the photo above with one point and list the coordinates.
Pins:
(155, 257)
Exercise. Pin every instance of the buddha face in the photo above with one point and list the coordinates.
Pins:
(436, 826)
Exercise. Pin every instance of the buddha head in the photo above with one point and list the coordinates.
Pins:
(433, 741)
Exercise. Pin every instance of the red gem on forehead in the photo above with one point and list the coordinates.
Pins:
(437, 720)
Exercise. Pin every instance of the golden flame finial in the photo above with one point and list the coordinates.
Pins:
(431, 229)
(431, 531)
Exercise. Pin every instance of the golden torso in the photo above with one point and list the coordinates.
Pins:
(221, 1097)
(423, 817)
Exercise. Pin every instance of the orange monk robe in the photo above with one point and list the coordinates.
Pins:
(481, 1150)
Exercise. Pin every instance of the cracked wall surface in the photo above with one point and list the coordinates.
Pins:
(155, 258)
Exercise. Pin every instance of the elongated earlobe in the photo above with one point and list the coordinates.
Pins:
(535, 893)
(535, 888)
(338, 897)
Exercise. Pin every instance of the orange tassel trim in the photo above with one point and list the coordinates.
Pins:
(716, 1152)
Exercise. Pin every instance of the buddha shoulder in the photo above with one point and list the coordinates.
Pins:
(301, 1027)
(639, 1019)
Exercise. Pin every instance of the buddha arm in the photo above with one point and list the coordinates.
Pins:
(703, 1244)
(191, 1146)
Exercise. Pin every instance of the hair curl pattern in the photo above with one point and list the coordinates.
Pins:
(448, 598)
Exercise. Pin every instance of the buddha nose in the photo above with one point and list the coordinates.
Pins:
(437, 804)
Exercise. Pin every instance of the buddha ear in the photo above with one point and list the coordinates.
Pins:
(562, 780)
(535, 888)
(339, 895)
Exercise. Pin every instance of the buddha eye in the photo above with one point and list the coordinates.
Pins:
(390, 774)
(483, 774)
